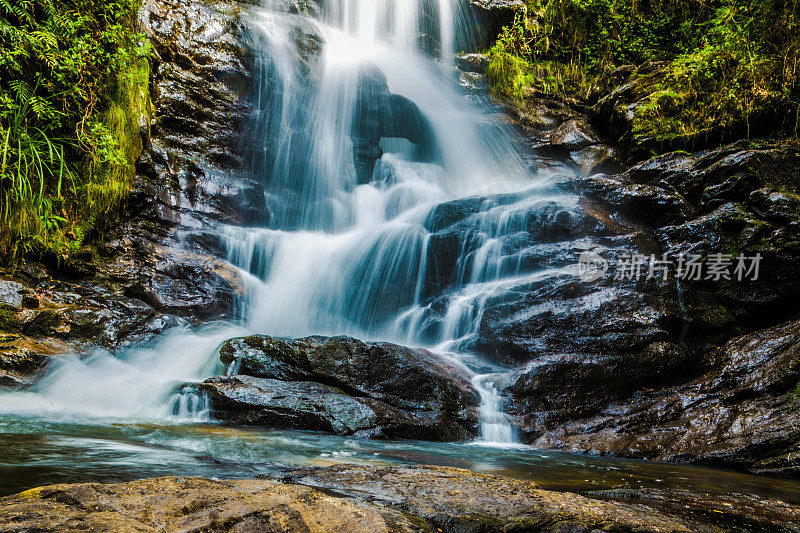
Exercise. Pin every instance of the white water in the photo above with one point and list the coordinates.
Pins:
(341, 257)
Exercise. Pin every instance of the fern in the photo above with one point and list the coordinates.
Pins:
(66, 115)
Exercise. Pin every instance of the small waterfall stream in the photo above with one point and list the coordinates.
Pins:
(347, 250)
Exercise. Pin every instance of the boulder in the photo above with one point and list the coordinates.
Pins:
(15, 295)
(368, 388)
(246, 400)
(573, 135)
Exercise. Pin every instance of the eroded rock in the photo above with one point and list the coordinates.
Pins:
(743, 412)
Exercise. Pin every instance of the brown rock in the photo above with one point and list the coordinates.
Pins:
(366, 499)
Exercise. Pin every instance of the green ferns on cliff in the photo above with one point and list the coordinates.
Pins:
(74, 84)
(728, 63)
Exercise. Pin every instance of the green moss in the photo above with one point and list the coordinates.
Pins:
(9, 322)
(43, 323)
(111, 171)
(31, 494)
(74, 85)
(731, 65)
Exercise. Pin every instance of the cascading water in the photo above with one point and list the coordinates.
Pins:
(360, 136)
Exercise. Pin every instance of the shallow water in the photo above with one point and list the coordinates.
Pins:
(38, 452)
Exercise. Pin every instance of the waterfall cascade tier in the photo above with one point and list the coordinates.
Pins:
(397, 209)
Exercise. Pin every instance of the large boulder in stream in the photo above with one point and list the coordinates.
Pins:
(344, 386)
(743, 411)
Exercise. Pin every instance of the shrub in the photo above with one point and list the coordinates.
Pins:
(73, 85)
(732, 62)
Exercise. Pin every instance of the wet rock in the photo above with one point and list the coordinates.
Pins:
(743, 412)
(775, 206)
(573, 135)
(22, 359)
(182, 504)
(308, 43)
(734, 511)
(308, 405)
(596, 159)
(475, 63)
(379, 114)
(199, 287)
(149, 331)
(648, 204)
(298, 404)
(475, 86)
(353, 498)
(450, 499)
(446, 214)
(15, 295)
(499, 5)
(389, 390)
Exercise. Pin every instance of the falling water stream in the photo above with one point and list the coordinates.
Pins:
(342, 254)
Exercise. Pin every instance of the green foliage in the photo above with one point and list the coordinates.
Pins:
(509, 70)
(514, 69)
(730, 62)
(599, 34)
(73, 86)
(746, 72)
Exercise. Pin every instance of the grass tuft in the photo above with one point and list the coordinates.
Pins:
(74, 88)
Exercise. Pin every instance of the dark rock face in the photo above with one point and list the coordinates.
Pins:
(646, 204)
(614, 366)
(192, 166)
(562, 131)
(742, 412)
(367, 499)
(191, 172)
(344, 386)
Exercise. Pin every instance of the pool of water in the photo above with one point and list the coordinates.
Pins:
(38, 452)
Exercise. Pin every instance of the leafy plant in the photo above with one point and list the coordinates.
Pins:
(32, 165)
(730, 63)
(74, 77)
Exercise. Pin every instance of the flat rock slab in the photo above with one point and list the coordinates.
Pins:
(358, 498)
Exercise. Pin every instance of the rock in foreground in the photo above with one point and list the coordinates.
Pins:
(344, 386)
(366, 499)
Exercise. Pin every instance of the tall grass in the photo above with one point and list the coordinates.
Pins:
(74, 86)
(33, 169)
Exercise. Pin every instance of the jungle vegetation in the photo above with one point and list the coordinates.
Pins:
(725, 62)
(74, 86)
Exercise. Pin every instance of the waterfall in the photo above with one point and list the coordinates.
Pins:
(360, 136)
